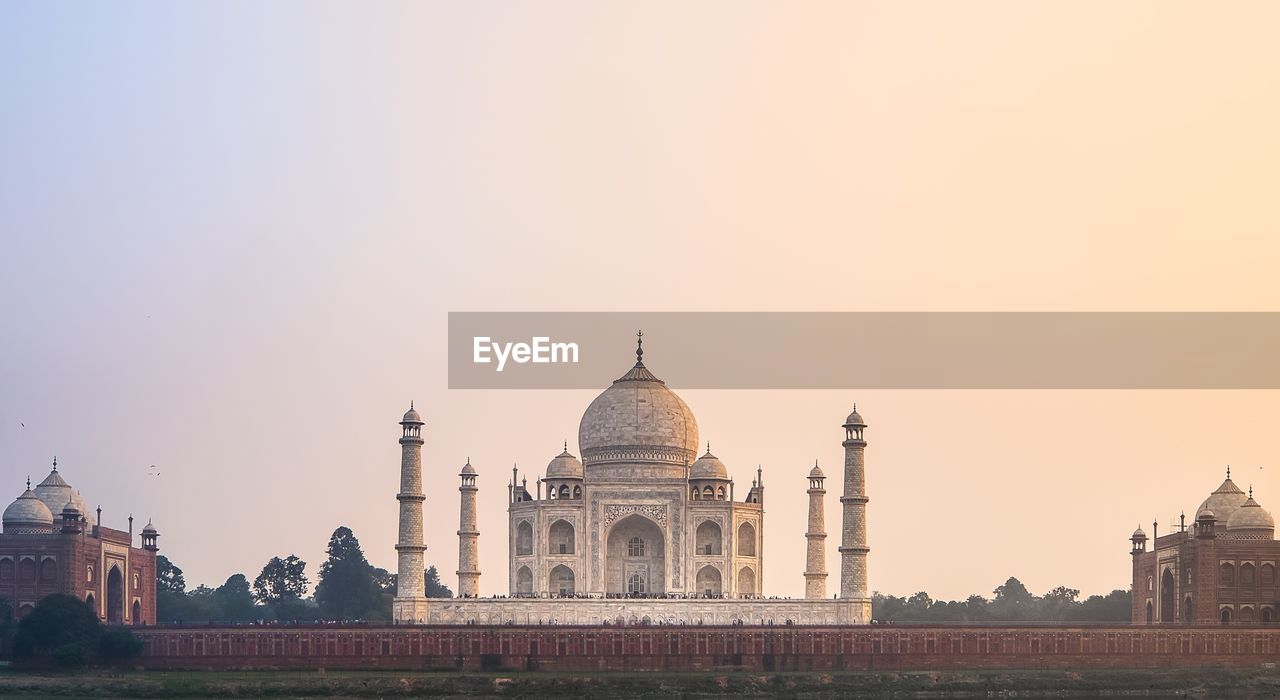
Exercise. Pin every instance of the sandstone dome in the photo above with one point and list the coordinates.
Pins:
(564, 466)
(27, 514)
(638, 420)
(1223, 501)
(411, 415)
(709, 466)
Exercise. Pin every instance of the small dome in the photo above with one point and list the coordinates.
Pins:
(1223, 501)
(27, 514)
(855, 418)
(816, 473)
(1250, 516)
(467, 469)
(1206, 514)
(71, 508)
(1138, 535)
(411, 416)
(149, 529)
(709, 466)
(564, 466)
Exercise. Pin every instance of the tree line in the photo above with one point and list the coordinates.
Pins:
(348, 588)
(1010, 602)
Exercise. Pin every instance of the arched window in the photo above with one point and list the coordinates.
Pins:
(27, 569)
(1246, 614)
(746, 582)
(707, 493)
(561, 538)
(137, 613)
(1227, 574)
(524, 581)
(635, 547)
(562, 581)
(695, 494)
(1148, 612)
(636, 584)
(564, 490)
(577, 493)
(746, 540)
(48, 571)
(1266, 616)
(1226, 616)
(524, 538)
(6, 569)
(1246, 577)
(1268, 575)
(1188, 610)
(708, 581)
(708, 537)
(720, 493)
(551, 492)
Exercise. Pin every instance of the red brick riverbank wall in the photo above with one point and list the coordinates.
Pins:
(564, 648)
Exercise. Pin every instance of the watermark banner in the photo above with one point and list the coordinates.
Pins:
(857, 350)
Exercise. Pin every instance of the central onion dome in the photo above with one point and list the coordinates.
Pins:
(28, 515)
(1223, 501)
(639, 421)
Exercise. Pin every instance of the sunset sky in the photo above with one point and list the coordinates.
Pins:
(232, 233)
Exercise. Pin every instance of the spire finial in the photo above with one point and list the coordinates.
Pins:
(1250, 490)
(566, 445)
(28, 482)
(815, 463)
(1228, 472)
(410, 404)
(640, 347)
(55, 463)
(708, 447)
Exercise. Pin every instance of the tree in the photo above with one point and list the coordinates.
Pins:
(281, 579)
(434, 587)
(347, 589)
(1058, 603)
(61, 627)
(234, 601)
(169, 577)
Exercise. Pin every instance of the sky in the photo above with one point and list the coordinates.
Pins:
(232, 233)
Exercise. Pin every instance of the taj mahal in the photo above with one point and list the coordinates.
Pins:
(641, 529)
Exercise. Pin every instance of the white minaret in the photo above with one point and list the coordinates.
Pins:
(815, 570)
(853, 543)
(468, 536)
(410, 586)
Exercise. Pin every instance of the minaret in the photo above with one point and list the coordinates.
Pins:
(853, 543)
(815, 570)
(468, 536)
(409, 579)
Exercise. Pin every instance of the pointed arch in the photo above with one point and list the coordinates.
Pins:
(708, 538)
(746, 540)
(746, 581)
(524, 581)
(561, 581)
(560, 538)
(524, 538)
(708, 581)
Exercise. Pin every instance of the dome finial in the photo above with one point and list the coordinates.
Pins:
(1250, 490)
(566, 445)
(28, 482)
(640, 348)
(1228, 471)
(55, 463)
(708, 447)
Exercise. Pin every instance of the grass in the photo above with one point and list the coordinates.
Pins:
(382, 684)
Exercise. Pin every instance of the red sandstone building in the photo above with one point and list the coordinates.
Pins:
(1220, 570)
(48, 546)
